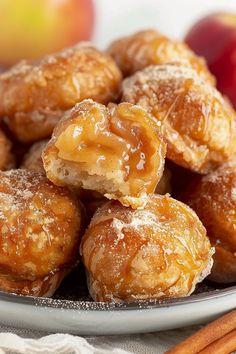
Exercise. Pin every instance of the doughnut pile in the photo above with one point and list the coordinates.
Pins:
(122, 161)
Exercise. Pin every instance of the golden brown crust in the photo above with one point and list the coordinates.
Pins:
(158, 251)
(32, 160)
(150, 47)
(39, 239)
(213, 197)
(198, 124)
(45, 286)
(34, 96)
(28, 127)
(117, 151)
(7, 160)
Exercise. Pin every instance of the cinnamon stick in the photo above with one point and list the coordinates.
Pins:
(224, 345)
(207, 335)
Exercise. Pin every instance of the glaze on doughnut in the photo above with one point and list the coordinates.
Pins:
(35, 95)
(40, 228)
(198, 124)
(158, 251)
(117, 151)
(150, 47)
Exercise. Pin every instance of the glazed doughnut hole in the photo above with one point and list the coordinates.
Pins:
(40, 228)
(117, 151)
(155, 252)
(35, 95)
(199, 125)
(150, 47)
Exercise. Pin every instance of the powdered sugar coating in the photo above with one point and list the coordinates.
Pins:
(39, 233)
(158, 251)
(150, 47)
(198, 124)
(35, 95)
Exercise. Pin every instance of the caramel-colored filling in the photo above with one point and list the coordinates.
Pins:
(119, 143)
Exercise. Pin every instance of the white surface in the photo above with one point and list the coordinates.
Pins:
(173, 17)
(151, 343)
(57, 343)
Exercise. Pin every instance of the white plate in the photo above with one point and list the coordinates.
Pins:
(84, 317)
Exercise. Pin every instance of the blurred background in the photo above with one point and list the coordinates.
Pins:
(173, 17)
(32, 28)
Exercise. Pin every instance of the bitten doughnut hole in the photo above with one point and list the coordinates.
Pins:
(117, 151)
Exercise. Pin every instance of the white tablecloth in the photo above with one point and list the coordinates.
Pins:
(26, 341)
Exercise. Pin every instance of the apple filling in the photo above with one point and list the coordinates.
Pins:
(117, 151)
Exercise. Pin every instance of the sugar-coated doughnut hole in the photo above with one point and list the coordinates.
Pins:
(158, 251)
(199, 125)
(35, 95)
(40, 227)
(150, 47)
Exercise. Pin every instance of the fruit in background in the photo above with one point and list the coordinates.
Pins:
(32, 28)
(214, 37)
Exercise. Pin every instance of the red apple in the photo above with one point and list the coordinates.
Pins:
(32, 28)
(214, 37)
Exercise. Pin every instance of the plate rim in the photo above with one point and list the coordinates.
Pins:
(114, 306)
